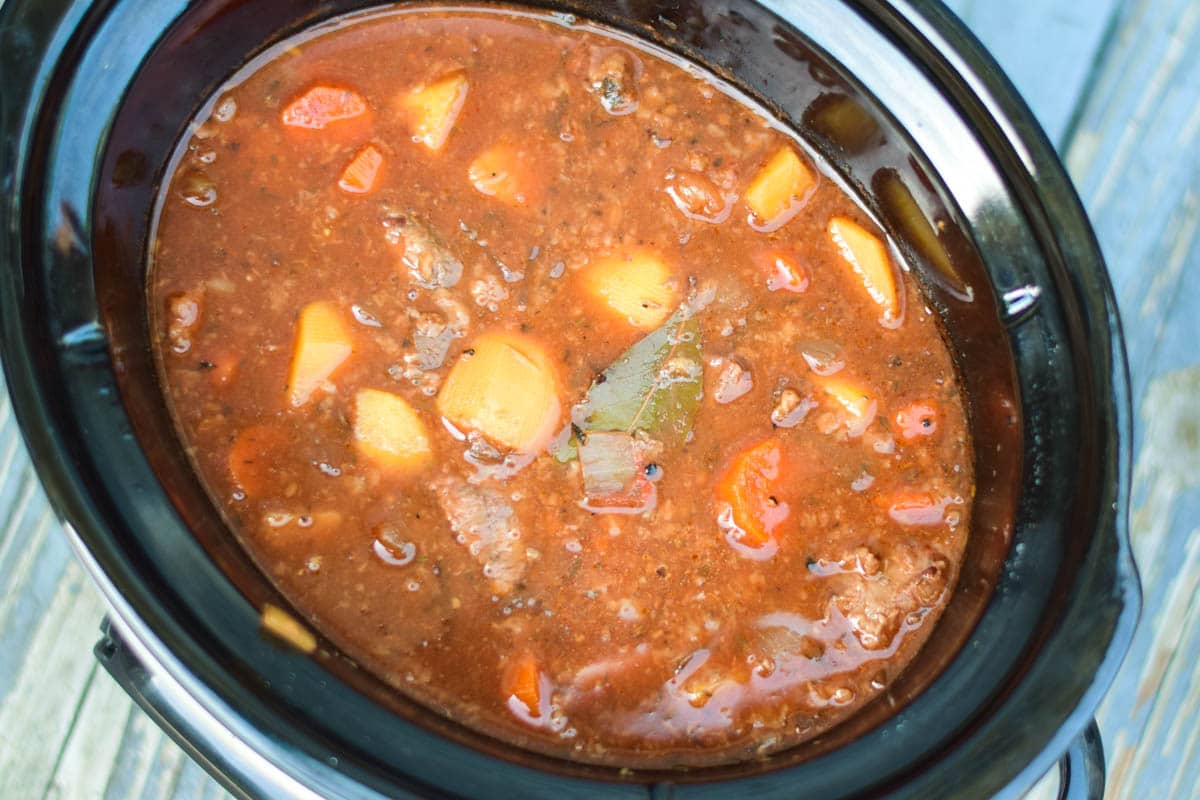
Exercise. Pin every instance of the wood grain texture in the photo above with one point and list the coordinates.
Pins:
(1048, 49)
(1135, 156)
(1117, 84)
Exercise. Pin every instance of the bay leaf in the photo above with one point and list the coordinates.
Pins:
(655, 386)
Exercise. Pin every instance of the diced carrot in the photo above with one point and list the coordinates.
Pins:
(747, 494)
(503, 171)
(506, 388)
(322, 105)
(432, 109)
(866, 254)
(253, 455)
(638, 286)
(362, 172)
(783, 270)
(389, 431)
(917, 419)
(519, 684)
(851, 398)
(323, 343)
(775, 193)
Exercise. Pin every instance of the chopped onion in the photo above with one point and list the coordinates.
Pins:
(822, 356)
(609, 460)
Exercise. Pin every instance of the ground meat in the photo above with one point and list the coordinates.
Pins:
(791, 408)
(613, 76)
(733, 381)
(424, 254)
(431, 339)
(876, 593)
(697, 197)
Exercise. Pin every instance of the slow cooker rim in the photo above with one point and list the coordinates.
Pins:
(68, 493)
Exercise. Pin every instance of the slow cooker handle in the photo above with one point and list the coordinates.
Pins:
(202, 738)
(1081, 769)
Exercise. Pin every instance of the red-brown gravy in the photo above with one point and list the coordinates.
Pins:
(557, 384)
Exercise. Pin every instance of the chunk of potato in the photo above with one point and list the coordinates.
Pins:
(866, 254)
(323, 343)
(287, 629)
(857, 403)
(390, 432)
(775, 193)
(505, 388)
(503, 172)
(362, 173)
(433, 109)
(639, 286)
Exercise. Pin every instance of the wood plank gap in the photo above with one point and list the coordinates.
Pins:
(66, 738)
(32, 714)
(92, 747)
(1105, 49)
(1182, 604)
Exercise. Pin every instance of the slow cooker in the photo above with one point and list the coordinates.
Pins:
(900, 100)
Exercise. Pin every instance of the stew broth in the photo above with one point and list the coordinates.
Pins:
(558, 384)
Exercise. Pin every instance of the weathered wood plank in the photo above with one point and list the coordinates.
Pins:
(140, 742)
(1135, 157)
(1047, 47)
(91, 748)
(37, 715)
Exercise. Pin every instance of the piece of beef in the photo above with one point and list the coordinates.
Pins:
(880, 586)
(485, 523)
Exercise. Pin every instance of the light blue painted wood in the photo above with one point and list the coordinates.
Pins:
(1047, 47)
(1135, 157)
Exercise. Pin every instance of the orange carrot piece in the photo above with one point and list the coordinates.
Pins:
(322, 105)
(253, 454)
(520, 685)
(747, 494)
(917, 419)
(362, 172)
(783, 269)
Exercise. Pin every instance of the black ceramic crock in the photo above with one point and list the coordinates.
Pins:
(904, 106)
